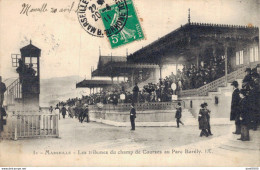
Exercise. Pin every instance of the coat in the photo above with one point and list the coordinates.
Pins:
(132, 113)
(244, 111)
(63, 111)
(2, 114)
(234, 104)
(178, 113)
(203, 120)
(245, 83)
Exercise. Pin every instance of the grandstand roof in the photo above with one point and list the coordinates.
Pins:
(94, 83)
(190, 37)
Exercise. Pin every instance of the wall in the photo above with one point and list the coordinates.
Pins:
(219, 108)
(146, 112)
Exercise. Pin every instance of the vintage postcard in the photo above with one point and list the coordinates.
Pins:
(129, 83)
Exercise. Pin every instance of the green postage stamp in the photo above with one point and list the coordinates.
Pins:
(121, 23)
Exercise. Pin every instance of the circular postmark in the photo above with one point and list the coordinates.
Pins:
(94, 15)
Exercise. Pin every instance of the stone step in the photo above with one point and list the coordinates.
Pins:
(237, 145)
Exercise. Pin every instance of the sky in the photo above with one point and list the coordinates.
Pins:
(67, 49)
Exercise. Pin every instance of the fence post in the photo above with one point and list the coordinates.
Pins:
(57, 125)
(15, 133)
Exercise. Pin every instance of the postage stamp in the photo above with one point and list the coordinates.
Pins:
(89, 16)
(121, 23)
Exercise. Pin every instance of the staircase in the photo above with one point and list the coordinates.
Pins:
(12, 103)
(214, 85)
(13, 94)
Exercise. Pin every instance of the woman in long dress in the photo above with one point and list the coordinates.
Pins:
(203, 121)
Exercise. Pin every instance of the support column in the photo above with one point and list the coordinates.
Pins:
(117, 79)
(197, 60)
(176, 68)
(214, 53)
(89, 90)
(226, 65)
(160, 66)
(132, 77)
(112, 80)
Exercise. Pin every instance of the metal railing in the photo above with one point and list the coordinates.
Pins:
(13, 91)
(32, 126)
(122, 107)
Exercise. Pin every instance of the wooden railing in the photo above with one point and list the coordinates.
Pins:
(203, 91)
(22, 125)
(13, 92)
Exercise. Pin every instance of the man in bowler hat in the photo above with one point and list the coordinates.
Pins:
(234, 115)
(247, 79)
(132, 116)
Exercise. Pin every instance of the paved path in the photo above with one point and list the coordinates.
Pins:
(92, 144)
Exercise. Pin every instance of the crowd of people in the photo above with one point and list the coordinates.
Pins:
(189, 78)
(76, 110)
(245, 104)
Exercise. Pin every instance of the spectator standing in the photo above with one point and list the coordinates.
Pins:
(208, 118)
(247, 79)
(234, 115)
(203, 121)
(63, 111)
(2, 91)
(132, 116)
(244, 115)
(178, 115)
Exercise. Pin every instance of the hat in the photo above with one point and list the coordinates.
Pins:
(254, 70)
(205, 104)
(234, 83)
(243, 91)
(248, 69)
(255, 75)
(202, 105)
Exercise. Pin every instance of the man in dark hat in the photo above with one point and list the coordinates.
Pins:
(234, 115)
(247, 79)
(244, 115)
(132, 116)
(178, 114)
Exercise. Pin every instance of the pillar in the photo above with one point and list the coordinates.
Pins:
(117, 79)
(197, 60)
(214, 53)
(132, 77)
(226, 65)
(160, 66)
